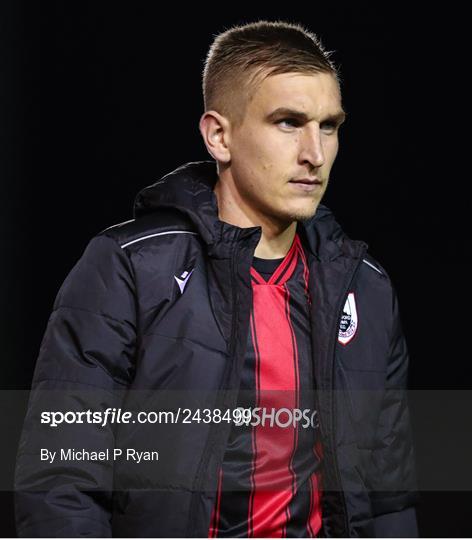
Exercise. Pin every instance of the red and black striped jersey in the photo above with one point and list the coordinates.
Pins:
(269, 484)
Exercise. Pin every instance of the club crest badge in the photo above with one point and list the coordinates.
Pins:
(348, 323)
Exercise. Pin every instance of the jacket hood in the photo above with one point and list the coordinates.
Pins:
(189, 189)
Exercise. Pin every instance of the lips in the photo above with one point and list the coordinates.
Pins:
(306, 181)
(306, 186)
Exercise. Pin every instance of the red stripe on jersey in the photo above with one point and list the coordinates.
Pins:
(316, 492)
(253, 438)
(287, 266)
(215, 516)
(314, 521)
(305, 271)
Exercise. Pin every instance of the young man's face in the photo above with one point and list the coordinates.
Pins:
(272, 151)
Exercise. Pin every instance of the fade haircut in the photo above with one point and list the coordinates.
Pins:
(241, 57)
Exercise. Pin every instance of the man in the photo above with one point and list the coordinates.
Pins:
(233, 289)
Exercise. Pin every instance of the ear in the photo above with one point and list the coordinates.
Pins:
(215, 132)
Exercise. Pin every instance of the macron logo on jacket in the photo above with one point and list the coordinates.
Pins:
(182, 281)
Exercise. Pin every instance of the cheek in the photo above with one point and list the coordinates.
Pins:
(260, 157)
(332, 149)
(253, 154)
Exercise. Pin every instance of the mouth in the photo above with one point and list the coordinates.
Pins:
(306, 185)
(306, 181)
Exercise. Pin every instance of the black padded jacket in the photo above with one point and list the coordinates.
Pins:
(124, 333)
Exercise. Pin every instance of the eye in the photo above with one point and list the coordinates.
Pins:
(291, 121)
(329, 125)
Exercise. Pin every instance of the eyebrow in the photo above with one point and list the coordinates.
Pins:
(337, 117)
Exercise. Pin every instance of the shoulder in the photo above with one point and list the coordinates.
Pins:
(378, 286)
(375, 266)
(134, 233)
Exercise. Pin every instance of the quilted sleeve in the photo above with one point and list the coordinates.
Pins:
(85, 362)
(393, 482)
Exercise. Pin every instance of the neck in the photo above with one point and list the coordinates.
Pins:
(276, 238)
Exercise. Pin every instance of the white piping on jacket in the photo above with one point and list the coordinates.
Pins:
(156, 234)
(372, 266)
(118, 224)
(191, 232)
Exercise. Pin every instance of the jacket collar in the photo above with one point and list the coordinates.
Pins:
(189, 189)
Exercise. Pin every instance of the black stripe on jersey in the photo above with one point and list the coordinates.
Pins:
(304, 463)
(296, 396)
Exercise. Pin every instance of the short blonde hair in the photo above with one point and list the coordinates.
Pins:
(241, 57)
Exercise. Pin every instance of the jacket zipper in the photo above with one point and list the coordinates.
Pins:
(333, 366)
(226, 378)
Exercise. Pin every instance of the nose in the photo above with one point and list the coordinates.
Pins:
(311, 147)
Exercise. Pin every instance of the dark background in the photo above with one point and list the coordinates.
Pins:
(99, 99)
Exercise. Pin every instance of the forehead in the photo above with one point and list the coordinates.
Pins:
(311, 93)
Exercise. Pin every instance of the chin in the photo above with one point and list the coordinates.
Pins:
(300, 214)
